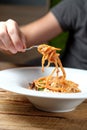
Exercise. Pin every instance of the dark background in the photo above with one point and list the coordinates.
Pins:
(24, 2)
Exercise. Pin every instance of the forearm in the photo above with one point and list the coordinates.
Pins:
(15, 39)
(41, 30)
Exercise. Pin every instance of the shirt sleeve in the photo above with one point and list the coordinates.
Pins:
(65, 13)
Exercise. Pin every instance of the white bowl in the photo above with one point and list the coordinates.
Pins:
(17, 79)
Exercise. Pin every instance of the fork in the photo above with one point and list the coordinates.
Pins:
(31, 47)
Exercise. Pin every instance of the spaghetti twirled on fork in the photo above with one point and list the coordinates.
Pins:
(57, 83)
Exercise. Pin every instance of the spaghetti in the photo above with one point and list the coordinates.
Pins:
(57, 83)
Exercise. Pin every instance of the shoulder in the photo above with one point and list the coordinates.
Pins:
(69, 5)
(67, 12)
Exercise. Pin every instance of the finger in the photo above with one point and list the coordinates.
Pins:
(5, 42)
(14, 33)
(2, 47)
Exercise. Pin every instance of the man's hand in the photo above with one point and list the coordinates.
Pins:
(11, 38)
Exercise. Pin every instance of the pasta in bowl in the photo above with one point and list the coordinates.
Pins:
(17, 80)
(57, 83)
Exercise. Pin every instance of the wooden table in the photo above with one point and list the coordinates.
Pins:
(17, 113)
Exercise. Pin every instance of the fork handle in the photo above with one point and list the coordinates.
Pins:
(31, 47)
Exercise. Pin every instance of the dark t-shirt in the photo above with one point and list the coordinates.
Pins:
(72, 17)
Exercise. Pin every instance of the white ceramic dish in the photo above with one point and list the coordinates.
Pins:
(17, 79)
